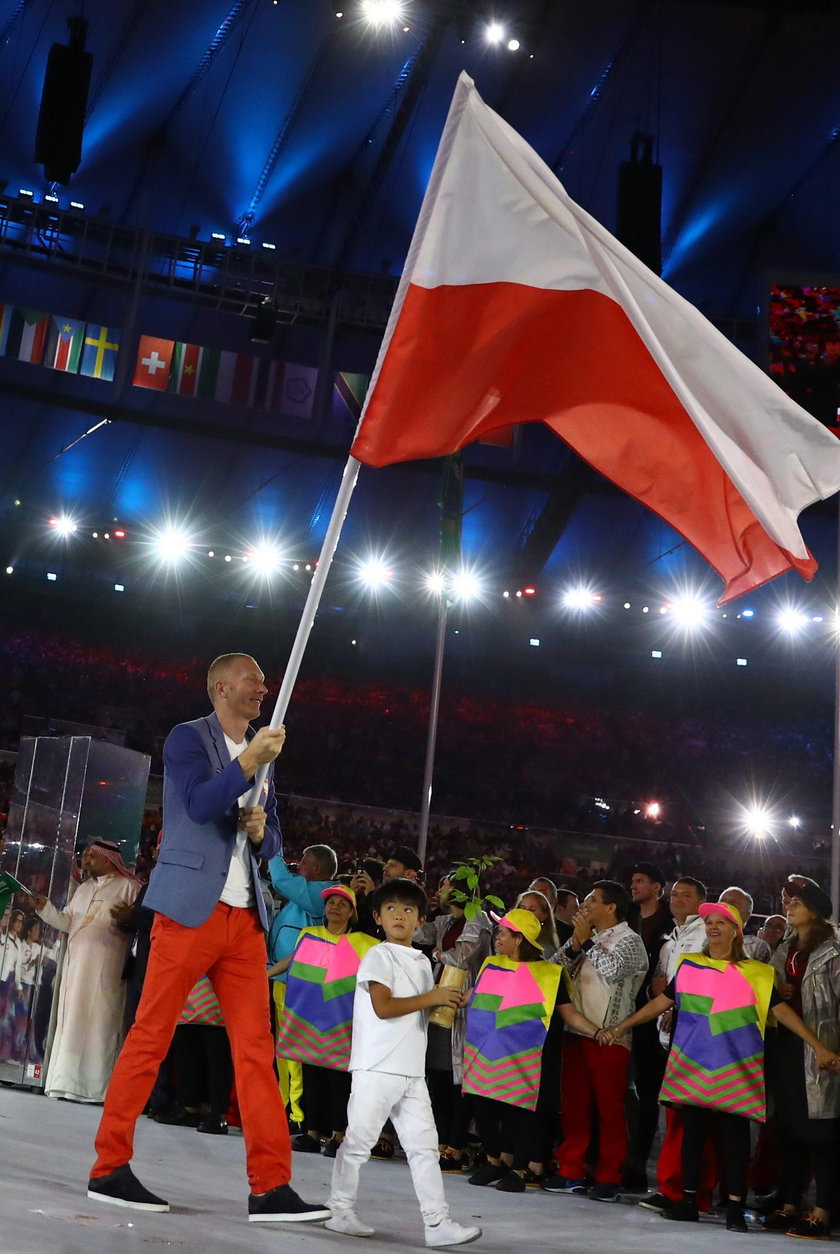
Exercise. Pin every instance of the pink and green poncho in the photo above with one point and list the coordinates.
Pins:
(717, 1054)
(318, 1012)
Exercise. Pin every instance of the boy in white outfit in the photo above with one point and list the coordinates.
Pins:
(394, 990)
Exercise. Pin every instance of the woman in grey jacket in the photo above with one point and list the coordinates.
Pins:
(807, 1101)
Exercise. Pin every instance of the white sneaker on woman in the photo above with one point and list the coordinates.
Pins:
(448, 1232)
(348, 1223)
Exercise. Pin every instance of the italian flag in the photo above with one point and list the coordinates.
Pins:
(516, 306)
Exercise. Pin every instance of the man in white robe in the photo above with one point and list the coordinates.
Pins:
(88, 1031)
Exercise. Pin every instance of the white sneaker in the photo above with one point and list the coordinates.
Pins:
(448, 1232)
(349, 1223)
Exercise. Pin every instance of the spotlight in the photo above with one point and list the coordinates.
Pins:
(51, 576)
(63, 525)
(466, 585)
(653, 810)
(119, 587)
(534, 642)
(513, 45)
(374, 573)
(794, 821)
(435, 583)
(382, 12)
(791, 620)
(76, 204)
(494, 32)
(172, 545)
(758, 822)
(265, 558)
(10, 570)
(688, 612)
(580, 598)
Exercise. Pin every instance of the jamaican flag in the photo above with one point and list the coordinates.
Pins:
(717, 1055)
(318, 1012)
(507, 1023)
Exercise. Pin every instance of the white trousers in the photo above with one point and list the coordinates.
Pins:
(374, 1098)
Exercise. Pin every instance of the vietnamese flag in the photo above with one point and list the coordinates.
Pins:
(516, 306)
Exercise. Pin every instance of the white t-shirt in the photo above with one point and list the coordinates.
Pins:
(239, 887)
(396, 1046)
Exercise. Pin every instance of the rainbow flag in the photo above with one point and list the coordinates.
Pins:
(318, 1014)
(717, 1055)
(507, 1023)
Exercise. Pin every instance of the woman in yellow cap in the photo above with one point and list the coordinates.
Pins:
(512, 1053)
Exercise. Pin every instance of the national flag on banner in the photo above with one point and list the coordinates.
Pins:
(516, 306)
(26, 335)
(349, 394)
(236, 381)
(63, 349)
(291, 389)
(99, 352)
(186, 363)
(5, 322)
(154, 361)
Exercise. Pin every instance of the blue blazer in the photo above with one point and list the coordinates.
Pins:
(201, 790)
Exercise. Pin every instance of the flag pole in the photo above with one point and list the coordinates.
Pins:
(310, 609)
(835, 777)
(431, 740)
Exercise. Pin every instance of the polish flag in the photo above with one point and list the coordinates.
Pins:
(516, 306)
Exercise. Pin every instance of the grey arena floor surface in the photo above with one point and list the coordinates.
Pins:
(45, 1156)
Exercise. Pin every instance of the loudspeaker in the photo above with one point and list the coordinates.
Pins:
(61, 120)
(639, 216)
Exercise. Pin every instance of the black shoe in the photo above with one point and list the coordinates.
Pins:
(331, 1148)
(214, 1124)
(564, 1184)
(122, 1188)
(306, 1144)
(382, 1150)
(656, 1201)
(604, 1192)
(282, 1205)
(634, 1180)
(488, 1174)
(735, 1221)
(683, 1212)
(810, 1228)
(511, 1183)
(779, 1221)
(179, 1118)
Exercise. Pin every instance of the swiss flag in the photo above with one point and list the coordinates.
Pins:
(154, 359)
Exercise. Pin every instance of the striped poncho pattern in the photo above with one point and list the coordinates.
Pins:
(507, 1023)
(717, 1054)
(318, 1013)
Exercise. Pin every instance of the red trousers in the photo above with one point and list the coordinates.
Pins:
(593, 1075)
(669, 1177)
(230, 949)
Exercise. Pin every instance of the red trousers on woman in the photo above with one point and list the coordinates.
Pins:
(230, 949)
(593, 1075)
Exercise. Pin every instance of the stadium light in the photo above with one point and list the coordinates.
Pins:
(374, 573)
(63, 525)
(580, 598)
(382, 12)
(758, 822)
(791, 620)
(435, 582)
(465, 585)
(172, 544)
(689, 612)
(653, 810)
(264, 558)
(494, 32)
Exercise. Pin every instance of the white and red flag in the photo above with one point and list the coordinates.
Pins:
(516, 306)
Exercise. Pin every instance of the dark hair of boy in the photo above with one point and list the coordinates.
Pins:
(406, 892)
(614, 894)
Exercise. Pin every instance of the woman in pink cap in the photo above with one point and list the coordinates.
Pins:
(715, 1067)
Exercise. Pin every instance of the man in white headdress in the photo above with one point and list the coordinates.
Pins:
(88, 1031)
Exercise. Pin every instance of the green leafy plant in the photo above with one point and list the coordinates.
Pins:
(466, 885)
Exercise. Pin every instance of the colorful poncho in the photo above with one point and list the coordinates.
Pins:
(507, 1023)
(318, 1013)
(717, 1054)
